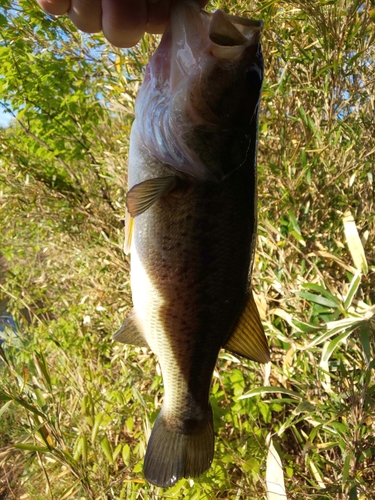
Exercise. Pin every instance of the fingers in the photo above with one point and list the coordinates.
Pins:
(157, 15)
(124, 22)
(86, 15)
(158, 12)
(55, 7)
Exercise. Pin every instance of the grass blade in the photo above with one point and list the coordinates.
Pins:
(354, 243)
(274, 475)
(270, 390)
(354, 285)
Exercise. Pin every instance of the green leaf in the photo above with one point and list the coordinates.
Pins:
(95, 428)
(365, 336)
(40, 399)
(4, 408)
(297, 236)
(77, 450)
(302, 114)
(126, 454)
(335, 327)
(130, 424)
(339, 427)
(42, 366)
(318, 299)
(305, 406)
(353, 493)
(331, 346)
(323, 291)
(305, 327)
(346, 469)
(265, 411)
(5, 397)
(107, 449)
(117, 451)
(294, 222)
(31, 447)
(353, 288)
(28, 407)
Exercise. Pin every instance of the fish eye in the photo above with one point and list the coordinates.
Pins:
(254, 78)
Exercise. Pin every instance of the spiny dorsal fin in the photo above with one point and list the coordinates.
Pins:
(129, 227)
(248, 338)
(130, 332)
(146, 193)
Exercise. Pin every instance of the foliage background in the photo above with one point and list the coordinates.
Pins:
(76, 408)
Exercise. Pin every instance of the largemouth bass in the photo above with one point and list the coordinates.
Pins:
(191, 223)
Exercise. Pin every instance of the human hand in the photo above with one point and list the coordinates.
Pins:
(123, 22)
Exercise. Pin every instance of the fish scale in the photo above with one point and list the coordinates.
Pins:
(191, 224)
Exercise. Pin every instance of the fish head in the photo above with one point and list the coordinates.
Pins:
(199, 102)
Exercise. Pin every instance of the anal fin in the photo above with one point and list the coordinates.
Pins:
(248, 338)
(130, 332)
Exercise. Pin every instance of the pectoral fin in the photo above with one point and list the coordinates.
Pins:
(130, 332)
(248, 338)
(143, 195)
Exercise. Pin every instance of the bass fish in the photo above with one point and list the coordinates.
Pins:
(191, 223)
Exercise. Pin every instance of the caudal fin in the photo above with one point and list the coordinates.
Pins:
(172, 455)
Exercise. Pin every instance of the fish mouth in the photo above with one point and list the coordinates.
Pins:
(222, 35)
(202, 87)
(230, 31)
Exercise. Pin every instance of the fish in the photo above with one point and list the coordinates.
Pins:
(191, 223)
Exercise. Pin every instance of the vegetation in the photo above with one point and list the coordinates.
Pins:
(76, 409)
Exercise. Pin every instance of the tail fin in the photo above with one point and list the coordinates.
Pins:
(172, 454)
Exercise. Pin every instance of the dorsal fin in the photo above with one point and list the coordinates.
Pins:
(143, 195)
(130, 332)
(248, 338)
